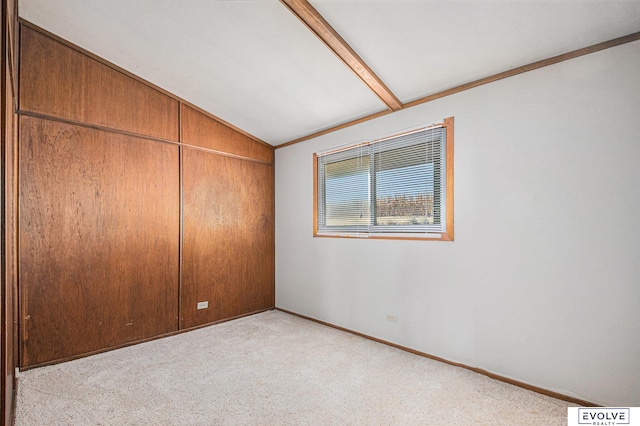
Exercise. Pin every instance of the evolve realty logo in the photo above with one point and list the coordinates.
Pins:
(604, 416)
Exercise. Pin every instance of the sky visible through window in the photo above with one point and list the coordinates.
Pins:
(348, 195)
(392, 186)
(389, 183)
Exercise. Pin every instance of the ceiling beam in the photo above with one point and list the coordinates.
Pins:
(490, 79)
(325, 32)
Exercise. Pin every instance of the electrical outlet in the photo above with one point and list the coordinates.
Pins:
(203, 305)
(392, 318)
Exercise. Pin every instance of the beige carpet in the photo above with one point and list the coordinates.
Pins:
(271, 369)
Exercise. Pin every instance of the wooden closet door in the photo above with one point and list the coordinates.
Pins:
(98, 240)
(228, 248)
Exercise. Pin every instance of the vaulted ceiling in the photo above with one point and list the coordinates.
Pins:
(258, 66)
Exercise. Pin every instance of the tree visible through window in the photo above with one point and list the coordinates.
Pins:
(398, 186)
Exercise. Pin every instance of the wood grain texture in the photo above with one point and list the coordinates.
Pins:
(224, 123)
(447, 235)
(448, 125)
(335, 128)
(59, 81)
(8, 211)
(486, 80)
(98, 239)
(103, 61)
(315, 194)
(325, 32)
(202, 131)
(229, 246)
(8, 342)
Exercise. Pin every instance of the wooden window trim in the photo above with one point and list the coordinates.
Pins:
(447, 123)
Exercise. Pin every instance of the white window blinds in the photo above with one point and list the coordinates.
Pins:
(394, 185)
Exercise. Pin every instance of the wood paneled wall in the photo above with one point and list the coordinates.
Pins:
(58, 81)
(99, 229)
(200, 130)
(8, 291)
(228, 237)
(134, 206)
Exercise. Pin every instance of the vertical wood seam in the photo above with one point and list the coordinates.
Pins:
(258, 296)
(22, 307)
(23, 22)
(4, 329)
(181, 227)
(15, 146)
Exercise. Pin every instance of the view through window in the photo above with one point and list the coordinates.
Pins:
(397, 186)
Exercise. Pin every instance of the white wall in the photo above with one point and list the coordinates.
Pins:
(542, 282)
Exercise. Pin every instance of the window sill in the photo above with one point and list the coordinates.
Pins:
(387, 236)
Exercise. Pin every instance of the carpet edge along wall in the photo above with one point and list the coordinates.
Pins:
(105, 178)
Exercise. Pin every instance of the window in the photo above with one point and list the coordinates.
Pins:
(399, 186)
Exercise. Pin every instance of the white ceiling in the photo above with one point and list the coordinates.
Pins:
(255, 65)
